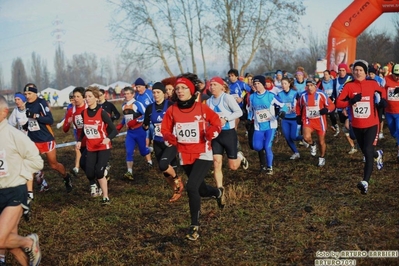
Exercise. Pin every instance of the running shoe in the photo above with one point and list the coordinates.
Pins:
(336, 131)
(322, 162)
(94, 191)
(105, 201)
(149, 164)
(295, 156)
(75, 171)
(379, 161)
(269, 171)
(193, 233)
(34, 254)
(363, 186)
(244, 161)
(128, 176)
(68, 183)
(44, 187)
(177, 188)
(353, 150)
(106, 171)
(313, 149)
(221, 200)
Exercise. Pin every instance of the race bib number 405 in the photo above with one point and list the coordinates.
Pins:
(187, 132)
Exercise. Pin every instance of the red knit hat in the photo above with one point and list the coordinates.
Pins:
(344, 66)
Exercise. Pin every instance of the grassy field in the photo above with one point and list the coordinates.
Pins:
(283, 219)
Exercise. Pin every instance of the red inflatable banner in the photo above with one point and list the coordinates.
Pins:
(341, 46)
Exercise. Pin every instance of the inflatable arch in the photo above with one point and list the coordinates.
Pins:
(341, 46)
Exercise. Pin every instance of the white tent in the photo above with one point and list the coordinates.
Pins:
(99, 86)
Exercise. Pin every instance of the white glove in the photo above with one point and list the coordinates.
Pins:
(59, 125)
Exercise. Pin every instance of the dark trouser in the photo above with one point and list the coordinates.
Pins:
(165, 155)
(96, 161)
(366, 139)
(333, 118)
(197, 188)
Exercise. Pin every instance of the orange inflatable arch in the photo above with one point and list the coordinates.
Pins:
(341, 46)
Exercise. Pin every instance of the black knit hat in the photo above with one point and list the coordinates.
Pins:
(159, 86)
(259, 78)
(362, 64)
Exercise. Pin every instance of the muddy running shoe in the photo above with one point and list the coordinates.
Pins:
(106, 171)
(94, 191)
(128, 176)
(269, 171)
(295, 156)
(68, 183)
(313, 149)
(221, 200)
(244, 161)
(149, 164)
(352, 151)
(75, 171)
(379, 161)
(34, 254)
(336, 130)
(27, 211)
(363, 186)
(322, 162)
(43, 186)
(193, 233)
(105, 201)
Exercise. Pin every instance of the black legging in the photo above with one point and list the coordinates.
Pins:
(96, 161)
(165, 155)
(366, 137)
(197, 188)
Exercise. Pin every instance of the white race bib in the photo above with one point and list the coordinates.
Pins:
(157, 129)
(391, 95)
(128, 118)
(33, 125)
(187, 132)
(361, 110)
(312, 112)
(3, 164)
(79, 121)
(263, 115)
(91, 132)
(290, 109)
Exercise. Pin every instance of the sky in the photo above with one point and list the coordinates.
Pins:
(28, 26)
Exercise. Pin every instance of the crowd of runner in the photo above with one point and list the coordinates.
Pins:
(185, 121)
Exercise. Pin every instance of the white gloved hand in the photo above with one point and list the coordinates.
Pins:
(59, 125)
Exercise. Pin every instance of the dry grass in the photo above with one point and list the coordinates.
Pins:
(269, 220)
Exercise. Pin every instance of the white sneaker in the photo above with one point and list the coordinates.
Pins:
(313, 149)
(336, 131)
(363, 186)
(379, 161)
(295, 156)
(352, 151)
(94, 190)
(380, 135)
(322, 162)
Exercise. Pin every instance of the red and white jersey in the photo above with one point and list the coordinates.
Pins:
(364, 113)
(189, 127)
(309, 105)
(95, 131)
(392, 98)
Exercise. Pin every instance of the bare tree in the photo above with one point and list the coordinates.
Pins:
(61, 80)
(45, 76)
(36, 70)
(82, 70)
(1, 79)
(199, 7)
(18, 75)
(241, 30)
(375, 46)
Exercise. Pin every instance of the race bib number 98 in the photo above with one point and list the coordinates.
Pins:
(263, 115)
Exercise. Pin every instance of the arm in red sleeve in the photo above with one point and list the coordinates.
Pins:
(68, 120)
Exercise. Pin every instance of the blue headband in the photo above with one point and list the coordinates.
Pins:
(21, 96)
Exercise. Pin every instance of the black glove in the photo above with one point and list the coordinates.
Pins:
(323, 111)
(396, 90)
(277, 110)
(356, 98)
(299, 120)
(282, 114)
(383, 103)
(25, 127)
(30, 114)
